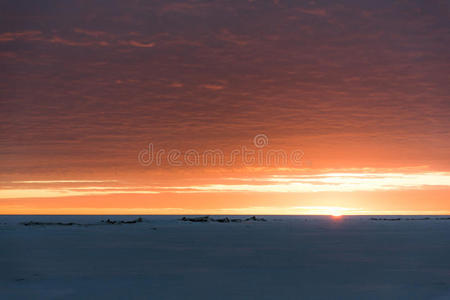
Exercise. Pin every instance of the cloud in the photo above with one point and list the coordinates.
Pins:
(176, 85)
(23, 35)
(190, 8)
(330, 182)
(313, 183)
(56, 193)
(214, 87)
(91, 33)
(66, 42)
(226, 35)
(353, 95)
(62, 181)
(92, 39)
(140, 44)
(315, 12)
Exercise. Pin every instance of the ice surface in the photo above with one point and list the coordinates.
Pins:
(162, 257)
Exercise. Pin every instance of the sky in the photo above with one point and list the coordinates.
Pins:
(224, 107)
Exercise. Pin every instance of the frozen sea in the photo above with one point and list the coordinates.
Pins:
(286, 257)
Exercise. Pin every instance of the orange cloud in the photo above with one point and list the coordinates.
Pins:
(26, 35)
(140, 44)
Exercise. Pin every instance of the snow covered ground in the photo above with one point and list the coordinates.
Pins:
(286, 257)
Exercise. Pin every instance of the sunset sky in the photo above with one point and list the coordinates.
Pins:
(343, 107)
